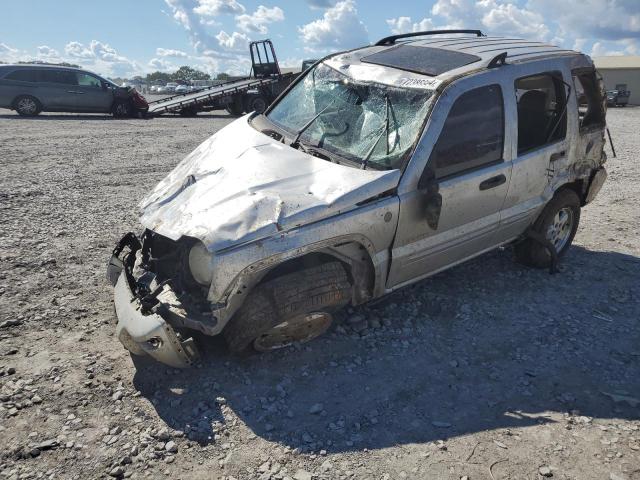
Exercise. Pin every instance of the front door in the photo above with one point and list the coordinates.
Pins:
(90, 95)
(455, 211)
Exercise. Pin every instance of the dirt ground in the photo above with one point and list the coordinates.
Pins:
(487, 371)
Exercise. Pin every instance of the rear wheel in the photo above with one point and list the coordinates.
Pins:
(558, 223)
(256, 104)
(296, 307)
(27, 106)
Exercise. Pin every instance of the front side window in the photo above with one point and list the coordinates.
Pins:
(542, 110)
(86, 80)
(365, 122)
(473, 133)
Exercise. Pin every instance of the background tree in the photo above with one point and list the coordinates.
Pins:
(188, 74)
(158, 77)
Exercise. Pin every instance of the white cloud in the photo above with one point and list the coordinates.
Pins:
(600, 50)
(168, 52)
(6, 49)
(321, 3)
(102, 58)
(9, 54)
(77, 50)
(235, 41)
(258, 20)
(613, 24)
(339, 28)
(161, 64)
(228, 51)
(47, 52)
(406, 25)
(291, 62)
(213, 8)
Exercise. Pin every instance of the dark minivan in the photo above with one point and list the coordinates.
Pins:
(31, 89)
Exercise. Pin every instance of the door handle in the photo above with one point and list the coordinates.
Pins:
(493, 182)
(75, 91)
(557, 156)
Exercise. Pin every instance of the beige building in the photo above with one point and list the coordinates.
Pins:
(618, 70)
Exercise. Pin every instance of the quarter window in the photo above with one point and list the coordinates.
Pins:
(542, 110)
(472, 135)
(591, 102)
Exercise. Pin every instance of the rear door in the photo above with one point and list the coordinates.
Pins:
(57, 89)
(91, 96)
(541, 146)
(454, 212)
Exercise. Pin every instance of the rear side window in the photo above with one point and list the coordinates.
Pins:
(472, 135)
(23, 75)
(589, 92)
(59, 76)
(542, 110)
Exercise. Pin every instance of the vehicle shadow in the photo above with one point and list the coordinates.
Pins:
(71, 116)
(487, 345)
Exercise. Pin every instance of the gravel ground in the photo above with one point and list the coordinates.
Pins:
(487, 371)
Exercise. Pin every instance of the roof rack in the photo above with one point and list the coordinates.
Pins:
(392, 39)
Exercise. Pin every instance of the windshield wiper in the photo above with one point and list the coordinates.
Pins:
(383, 130)
(296, 140)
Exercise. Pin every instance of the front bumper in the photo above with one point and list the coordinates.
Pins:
(149, 334)
(144, 333)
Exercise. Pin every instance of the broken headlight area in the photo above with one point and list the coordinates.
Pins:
(158, 298)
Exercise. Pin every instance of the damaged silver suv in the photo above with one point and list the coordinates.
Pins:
(378, 167)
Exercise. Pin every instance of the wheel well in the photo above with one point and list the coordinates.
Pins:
(354, 258)
(577, 186)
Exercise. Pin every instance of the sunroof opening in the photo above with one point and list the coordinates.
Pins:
(424, 60)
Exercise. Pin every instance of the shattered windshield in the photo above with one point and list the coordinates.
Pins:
(373, 124)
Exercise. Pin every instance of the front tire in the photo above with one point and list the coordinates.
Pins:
(235, 107)
(296, 307)
(27, 106)
(122, 109)
(558, 223)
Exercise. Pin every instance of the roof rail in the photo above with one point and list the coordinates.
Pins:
(498, 61)
(392, 39)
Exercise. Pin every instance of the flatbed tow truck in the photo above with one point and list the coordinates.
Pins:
(253, 93)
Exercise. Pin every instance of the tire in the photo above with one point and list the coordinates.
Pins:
(27, 106)
(296, 307)
(564, 202)
(189, 112)
(122, 109)
(235, 107)
(257, 104)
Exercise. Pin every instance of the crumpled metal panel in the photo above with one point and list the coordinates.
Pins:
(240, 185)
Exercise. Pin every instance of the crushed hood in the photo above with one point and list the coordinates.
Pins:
(240, 186)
